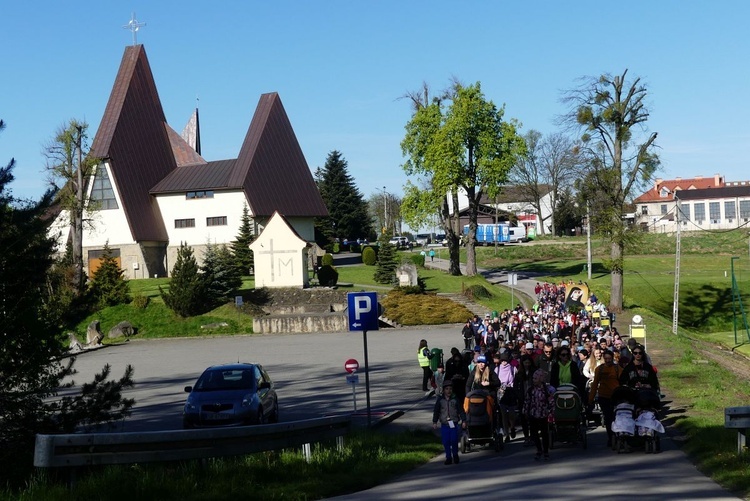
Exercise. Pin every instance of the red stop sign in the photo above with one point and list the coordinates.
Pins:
(351, 365)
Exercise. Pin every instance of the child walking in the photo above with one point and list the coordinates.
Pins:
(538, 408)
(451, 416)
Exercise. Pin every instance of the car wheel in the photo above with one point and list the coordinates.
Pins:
(261, 416)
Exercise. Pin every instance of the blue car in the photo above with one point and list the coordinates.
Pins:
(231, 395)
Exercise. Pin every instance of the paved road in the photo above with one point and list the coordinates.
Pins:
(308, 369)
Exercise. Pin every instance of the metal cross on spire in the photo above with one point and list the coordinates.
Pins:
(133, 25)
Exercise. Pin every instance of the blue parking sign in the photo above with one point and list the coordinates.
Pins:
(363, 311)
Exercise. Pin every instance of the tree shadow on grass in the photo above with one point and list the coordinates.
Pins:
(555, 268)
(706, 305)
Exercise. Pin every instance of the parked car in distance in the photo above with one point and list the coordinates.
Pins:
(230, 395)
(441, 239)
(401, 242)
(422, 239)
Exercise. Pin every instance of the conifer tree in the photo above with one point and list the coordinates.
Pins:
(221, 277)
(108, 285)
(32, 362)
(243, 256)
(387, 262)
(185, 294)
(348, 210)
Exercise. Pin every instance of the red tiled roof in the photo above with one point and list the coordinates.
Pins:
(133, 136)
(272, 168)
(696, 183)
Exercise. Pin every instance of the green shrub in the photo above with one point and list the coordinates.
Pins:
(477, 291)
(369, 257)
(327, 260)
(387, 263)
(140, 301)
(420, 288)
(108, 286)
(336, 247)
(327, 275)
(418, 259)
(186, 288)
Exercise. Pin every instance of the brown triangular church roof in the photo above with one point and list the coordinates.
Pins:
(271, 167)
(133, 137)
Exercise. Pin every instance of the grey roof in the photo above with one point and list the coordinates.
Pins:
(711, 193)
(209, 176)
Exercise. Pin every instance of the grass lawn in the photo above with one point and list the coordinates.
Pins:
(367, 459)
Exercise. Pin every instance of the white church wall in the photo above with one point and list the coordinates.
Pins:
(225, 204)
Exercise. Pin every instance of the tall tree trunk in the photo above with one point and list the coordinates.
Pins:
(471, 252)
(616, 278)
(77, 217)
(453, 238)
(538, 208)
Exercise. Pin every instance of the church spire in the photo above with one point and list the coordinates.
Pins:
(192, 132)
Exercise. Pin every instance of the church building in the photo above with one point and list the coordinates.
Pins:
(152, 190)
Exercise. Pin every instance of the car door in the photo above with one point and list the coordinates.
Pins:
(264, 386)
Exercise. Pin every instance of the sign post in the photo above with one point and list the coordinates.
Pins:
(512, 280)
(352, 378)
(363, 316)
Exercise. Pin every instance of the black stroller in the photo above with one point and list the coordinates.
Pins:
(481, 422)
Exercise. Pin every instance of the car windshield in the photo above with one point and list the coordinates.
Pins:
(225, 379)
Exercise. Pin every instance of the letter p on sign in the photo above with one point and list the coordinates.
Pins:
(363, 311)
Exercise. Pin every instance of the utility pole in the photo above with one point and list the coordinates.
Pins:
(588, 237)
(676, 300)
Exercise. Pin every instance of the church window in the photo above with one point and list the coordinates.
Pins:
(184, 223)
(199, 194)
(102, 192)
(216, 221)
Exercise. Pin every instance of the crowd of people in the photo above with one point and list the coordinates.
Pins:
(520, 356)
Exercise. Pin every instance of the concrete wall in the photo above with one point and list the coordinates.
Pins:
(321, 322)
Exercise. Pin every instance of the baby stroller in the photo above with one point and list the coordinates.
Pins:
(623, 426)
(647, 425)
(636, 423)
(481, 422)
(569, 423)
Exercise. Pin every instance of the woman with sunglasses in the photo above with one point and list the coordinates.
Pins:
(639, 373)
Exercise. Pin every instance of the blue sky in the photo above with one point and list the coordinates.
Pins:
(341, 66)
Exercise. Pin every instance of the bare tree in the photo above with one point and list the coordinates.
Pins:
(68, 163)
(619, 155)
(550, 165)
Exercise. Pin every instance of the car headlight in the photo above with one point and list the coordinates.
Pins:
(189, 405)
(247, 400)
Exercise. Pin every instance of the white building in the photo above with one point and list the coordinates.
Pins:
(706, 204)
(153, 190)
